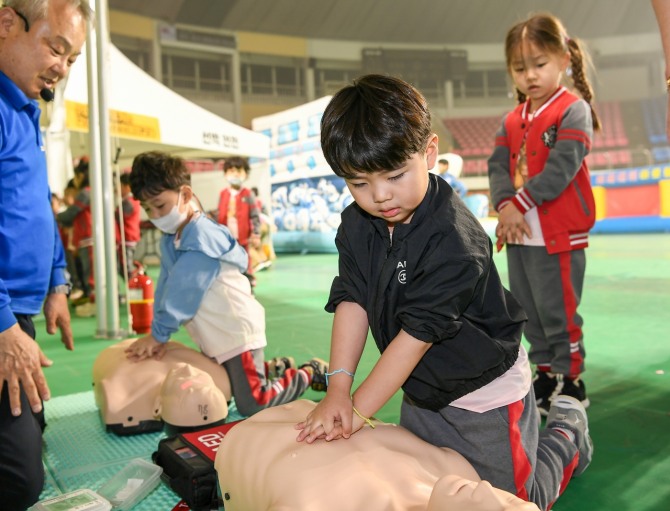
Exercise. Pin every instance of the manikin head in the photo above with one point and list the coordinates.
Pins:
(456, 493)
(190, 400)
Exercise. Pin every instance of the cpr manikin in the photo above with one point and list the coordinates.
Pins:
(190, 400)
(382, 469)
(128, 396)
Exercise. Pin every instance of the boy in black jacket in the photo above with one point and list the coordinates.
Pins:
(416, 268)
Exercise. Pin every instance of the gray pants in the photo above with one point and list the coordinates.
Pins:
(549, 288)
(504, 445)
(251, 389)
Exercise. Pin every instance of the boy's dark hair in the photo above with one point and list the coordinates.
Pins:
(124, 179)
(375, 124)
(236, 161)
(154, 172)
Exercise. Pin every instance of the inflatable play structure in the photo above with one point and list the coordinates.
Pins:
(306, 197)
(632, 200)
(635, 200)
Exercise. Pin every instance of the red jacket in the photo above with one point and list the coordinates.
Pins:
(558, 138)
(246, 212)
(131, 219)
(78, 216)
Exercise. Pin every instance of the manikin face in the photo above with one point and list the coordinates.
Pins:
(537, 73)
(42, 56)
(394, 195)
(452, 493)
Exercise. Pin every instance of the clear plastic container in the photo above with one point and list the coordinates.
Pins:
(79, 500)
(130, 485)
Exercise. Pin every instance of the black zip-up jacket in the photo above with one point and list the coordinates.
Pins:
(437, 281)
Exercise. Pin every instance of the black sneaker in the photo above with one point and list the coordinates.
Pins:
(546, 386)
(574, 387)
(277, 366)
(317, 369)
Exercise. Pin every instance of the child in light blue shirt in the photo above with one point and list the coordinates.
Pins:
(202, 286)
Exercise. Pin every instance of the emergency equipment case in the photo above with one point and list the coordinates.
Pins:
(187, 460)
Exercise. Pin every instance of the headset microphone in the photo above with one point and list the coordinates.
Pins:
(47, 95)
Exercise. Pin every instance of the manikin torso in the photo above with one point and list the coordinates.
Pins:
(261, 467)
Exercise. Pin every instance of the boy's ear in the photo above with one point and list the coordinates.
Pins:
(432, 151)
(188, 193)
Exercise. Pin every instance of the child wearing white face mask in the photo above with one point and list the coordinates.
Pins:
(238, 208)
(202, 286)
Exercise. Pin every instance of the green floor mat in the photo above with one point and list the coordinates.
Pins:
(625, 305)
(79, 453)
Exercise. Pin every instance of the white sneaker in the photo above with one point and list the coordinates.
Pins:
(85, 310)
(568, 413)
(76, 294)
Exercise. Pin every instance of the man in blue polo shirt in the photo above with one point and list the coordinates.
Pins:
(39, 41)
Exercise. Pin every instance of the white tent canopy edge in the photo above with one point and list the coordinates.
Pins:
(144, 115)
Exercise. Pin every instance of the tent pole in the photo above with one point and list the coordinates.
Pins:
(110, 297)
(94, 176)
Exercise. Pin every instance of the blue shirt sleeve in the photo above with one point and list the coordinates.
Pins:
(7, 318)
(58, 268)
(180, 291)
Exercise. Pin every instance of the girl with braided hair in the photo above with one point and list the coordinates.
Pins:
(541, 188)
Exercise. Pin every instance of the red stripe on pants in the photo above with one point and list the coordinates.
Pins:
(255, 384)
(520, 462)
(570, 308)
(567, 475)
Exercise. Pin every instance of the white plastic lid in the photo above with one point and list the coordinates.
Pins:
(78, 500)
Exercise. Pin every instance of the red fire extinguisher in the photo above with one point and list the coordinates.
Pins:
(141, 299)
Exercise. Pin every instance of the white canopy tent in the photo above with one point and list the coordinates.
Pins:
(145, 112)
(144, 115)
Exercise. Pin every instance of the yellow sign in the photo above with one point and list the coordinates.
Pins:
(121, 124)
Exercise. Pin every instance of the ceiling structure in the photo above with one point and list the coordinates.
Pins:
(398, 21)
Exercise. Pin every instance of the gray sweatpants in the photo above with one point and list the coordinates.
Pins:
(549, 288)
(504, 445)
